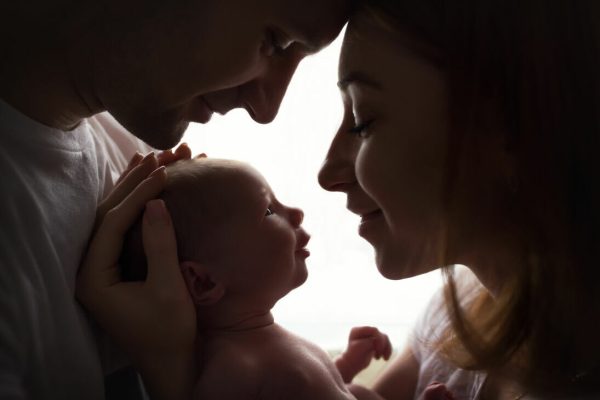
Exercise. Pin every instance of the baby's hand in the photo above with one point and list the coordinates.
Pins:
(364, 344)
(437, 391)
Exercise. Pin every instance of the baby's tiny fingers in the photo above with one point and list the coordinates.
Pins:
(382, 345)
(387, 351)
(362, 332)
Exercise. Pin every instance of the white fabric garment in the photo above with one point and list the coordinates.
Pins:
(428, 330)
(51, 183)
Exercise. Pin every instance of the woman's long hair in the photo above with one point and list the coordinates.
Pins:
(536, 63)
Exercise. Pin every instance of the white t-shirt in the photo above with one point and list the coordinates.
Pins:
(429, 328)
(51, 183)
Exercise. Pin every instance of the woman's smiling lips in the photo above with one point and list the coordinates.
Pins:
(368, 221)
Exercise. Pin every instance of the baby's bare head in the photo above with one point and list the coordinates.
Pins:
(200, 206)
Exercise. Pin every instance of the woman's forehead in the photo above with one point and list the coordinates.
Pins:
(374, 52)
(366, 52)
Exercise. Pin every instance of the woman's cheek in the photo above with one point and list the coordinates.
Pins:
(361, 164)
(368, 166)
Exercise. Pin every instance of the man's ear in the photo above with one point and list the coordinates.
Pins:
(204, 289)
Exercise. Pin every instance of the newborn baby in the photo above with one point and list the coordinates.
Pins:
(240, 251)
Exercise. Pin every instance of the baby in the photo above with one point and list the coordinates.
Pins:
(240, 251)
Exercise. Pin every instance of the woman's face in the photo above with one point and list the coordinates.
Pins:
(390, 149)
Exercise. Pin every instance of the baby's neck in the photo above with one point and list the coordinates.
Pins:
(237, 323)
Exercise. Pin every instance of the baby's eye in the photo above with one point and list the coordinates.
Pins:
(269, 212)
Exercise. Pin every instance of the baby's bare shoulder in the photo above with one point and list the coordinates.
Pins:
(236, 377)
(273, 365)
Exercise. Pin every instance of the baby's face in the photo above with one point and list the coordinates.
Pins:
(264, 246)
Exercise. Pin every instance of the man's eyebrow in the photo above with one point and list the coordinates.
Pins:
(357, 77)
(307, 49)
(310, 44)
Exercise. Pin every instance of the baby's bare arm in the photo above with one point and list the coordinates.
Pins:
(362, 393)
(399, 379)
(365, 343)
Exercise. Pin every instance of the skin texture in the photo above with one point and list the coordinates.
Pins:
(156, 66)
(267, 363)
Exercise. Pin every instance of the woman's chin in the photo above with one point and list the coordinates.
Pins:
(396, 269)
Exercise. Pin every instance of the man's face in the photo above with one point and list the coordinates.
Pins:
(160, 66)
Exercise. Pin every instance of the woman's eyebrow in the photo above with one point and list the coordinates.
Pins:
(357, 77)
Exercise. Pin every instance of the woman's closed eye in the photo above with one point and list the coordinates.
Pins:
(269, 212)
(361, 129)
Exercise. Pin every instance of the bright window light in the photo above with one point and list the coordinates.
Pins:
(344, 288)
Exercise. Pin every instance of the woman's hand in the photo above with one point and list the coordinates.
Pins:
(154, 321)
(364, 344)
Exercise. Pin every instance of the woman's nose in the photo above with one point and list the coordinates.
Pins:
(337, 172)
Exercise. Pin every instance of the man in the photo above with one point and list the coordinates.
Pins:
(154, 66)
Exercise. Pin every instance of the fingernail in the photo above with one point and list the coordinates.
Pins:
(156, 212)
(135, 159)
(158, 171)
(148, 156)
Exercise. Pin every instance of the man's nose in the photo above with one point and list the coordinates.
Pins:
(262, 96)
(337, 172)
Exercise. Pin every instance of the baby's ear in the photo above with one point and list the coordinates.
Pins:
(204, 289)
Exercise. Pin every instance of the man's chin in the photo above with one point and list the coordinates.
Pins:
(160, 136)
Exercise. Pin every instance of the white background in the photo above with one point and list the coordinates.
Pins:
(344, 288)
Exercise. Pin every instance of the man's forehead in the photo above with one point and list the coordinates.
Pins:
(315, 22)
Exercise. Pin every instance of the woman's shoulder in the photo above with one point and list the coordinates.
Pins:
(434, 320)
(429, 331)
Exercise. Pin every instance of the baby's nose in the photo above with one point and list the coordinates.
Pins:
(296, 216)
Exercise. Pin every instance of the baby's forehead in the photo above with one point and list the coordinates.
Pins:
(224, 184)
(238, 178)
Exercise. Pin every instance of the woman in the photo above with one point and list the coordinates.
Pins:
(469, 137)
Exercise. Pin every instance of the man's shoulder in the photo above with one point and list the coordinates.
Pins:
(113, 134)
(114, 141)
(113, 147)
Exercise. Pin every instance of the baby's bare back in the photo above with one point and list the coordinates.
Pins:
(267, 363)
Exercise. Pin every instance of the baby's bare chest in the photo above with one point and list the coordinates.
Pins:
(303, 372)
(288, 367)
